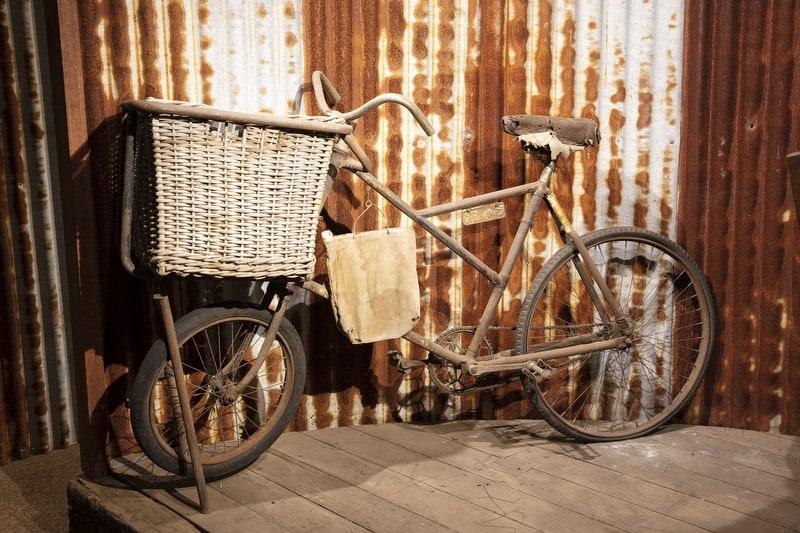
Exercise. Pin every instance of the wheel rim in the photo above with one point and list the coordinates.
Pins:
(215, 357)
(623, 392)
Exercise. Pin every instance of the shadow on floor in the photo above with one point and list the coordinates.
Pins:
(34, 491)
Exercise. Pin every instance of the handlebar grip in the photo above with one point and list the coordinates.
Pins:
(326, 94)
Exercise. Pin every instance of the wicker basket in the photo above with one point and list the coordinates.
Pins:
(222, 199)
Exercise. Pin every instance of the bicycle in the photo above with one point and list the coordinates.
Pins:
(612, 339)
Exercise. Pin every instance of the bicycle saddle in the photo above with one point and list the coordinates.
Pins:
(560, 135)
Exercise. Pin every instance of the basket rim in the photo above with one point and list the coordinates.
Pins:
(331, 124)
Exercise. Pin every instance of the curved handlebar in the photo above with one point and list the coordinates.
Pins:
(326, 93)
(393, 98)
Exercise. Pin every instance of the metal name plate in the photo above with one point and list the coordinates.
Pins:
(483, 213)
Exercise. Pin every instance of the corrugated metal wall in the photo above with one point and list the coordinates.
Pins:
(243, 55)
(36, 407)
(736, 213)
(467, 64)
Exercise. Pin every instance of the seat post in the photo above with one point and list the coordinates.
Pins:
(547, 172)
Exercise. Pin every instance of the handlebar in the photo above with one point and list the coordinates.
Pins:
(393, 98)
(325, 93)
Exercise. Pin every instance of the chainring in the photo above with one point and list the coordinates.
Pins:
(451, 378)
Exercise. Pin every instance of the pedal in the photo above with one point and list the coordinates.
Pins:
(538, 370)
(402, 363)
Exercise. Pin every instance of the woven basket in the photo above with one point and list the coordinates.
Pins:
(226, 200)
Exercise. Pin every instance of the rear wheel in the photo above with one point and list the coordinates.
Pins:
(218, 345)
(627, 392)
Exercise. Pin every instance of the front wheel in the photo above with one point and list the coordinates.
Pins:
(628, 392)
(218, 345)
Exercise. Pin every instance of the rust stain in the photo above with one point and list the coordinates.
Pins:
(642, 179)
(19, 178)
(543, 58)
(619, 95)
(672, 84)
(588, 200)
(567, 63)
(419, 47)
(442, 105)
(148, 49)
(288, 10)
(206, 42)
(667, 198)
(566, 108)
(645, 105)
(179, 72)
(203, 12)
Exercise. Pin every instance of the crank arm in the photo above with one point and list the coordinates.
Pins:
(403, 364)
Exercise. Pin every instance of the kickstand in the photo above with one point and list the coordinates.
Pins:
(183, 399)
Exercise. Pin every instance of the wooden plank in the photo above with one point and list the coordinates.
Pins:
(771, 445)
(110, 505)
(226, 514)
(446, 510)
(696, 441)
(657, 463)
(476, 490)
(636, 492)
(281, 506)
(760, 440)
(344, 499)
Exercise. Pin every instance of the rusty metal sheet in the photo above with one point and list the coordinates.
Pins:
(36, 372)
(736, 213)
(467, 64)
(243, 55)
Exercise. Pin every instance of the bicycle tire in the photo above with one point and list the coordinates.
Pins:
(569, 373)
(146, 427)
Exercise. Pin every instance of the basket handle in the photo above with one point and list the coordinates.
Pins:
(127, 202)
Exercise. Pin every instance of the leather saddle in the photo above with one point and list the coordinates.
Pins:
(576, 133)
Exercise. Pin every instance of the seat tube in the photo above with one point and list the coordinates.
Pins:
(490, 311)
(586, 259)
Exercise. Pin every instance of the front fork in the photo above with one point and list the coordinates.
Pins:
(228, 390)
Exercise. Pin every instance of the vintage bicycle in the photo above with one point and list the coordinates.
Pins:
(612, 339)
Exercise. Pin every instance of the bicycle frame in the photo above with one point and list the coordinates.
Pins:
(619, 336)
(588, 272)
(325, 92)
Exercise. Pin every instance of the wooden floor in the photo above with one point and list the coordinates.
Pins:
(503, 476)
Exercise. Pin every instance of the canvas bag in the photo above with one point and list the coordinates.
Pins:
(373, 282)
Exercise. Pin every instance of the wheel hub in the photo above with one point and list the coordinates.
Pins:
(223, 388)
